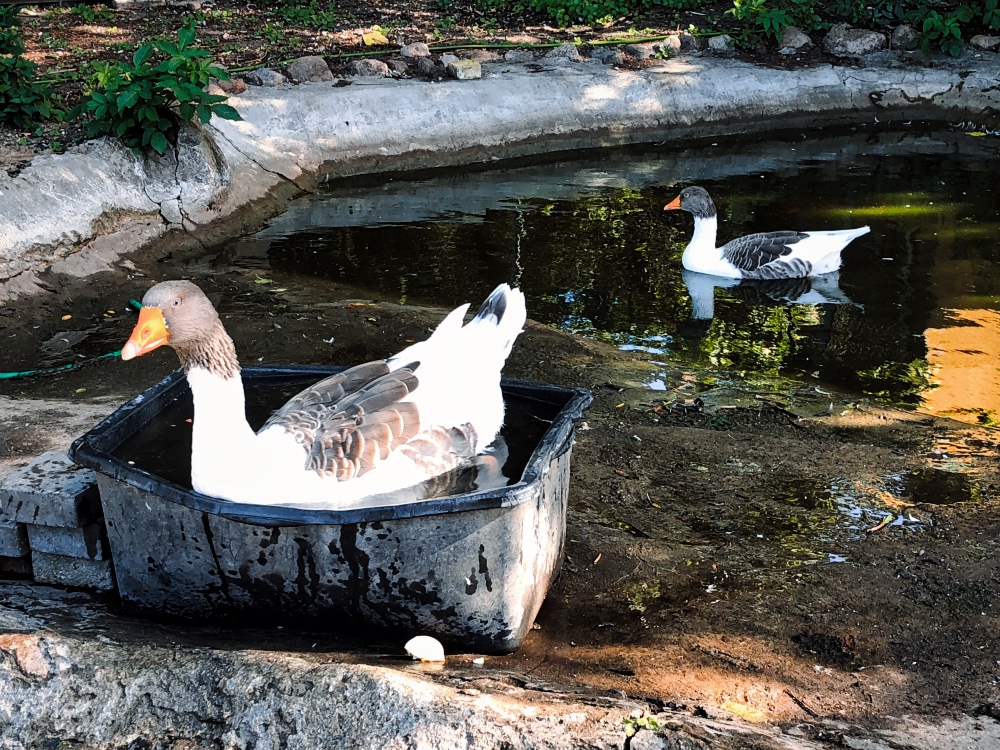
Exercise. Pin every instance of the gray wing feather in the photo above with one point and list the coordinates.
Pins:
(348, 423)
(752, 253)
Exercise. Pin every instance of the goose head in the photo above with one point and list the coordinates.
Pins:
(179, 315)
(695, 200)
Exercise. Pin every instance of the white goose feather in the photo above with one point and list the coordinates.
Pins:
(378, 427)
(765, 255)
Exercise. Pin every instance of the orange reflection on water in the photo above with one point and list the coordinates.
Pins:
(964, 356)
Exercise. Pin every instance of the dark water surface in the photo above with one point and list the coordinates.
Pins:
(913, 317)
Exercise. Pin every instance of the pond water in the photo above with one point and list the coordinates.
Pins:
(914, 316)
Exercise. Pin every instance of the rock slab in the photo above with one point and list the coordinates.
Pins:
(843, 41)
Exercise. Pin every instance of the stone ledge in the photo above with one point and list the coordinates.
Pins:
(60, 570)
(13, 539)
(50, 491)
(86, 543)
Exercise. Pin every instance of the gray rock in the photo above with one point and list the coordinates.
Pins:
(85, 543)
(465, 70)
(519, 55)
(233, 87)
(417, 49)
(669, 47)
(264, 77)
(310, 68)
(447, 59)
(988, 43)
(843, 41)
(426, 66)
(13, 539)
(399, 67)
(608, 56)
(51, 491)
(721, 44)
(690, 42)
(569, 52)
(901, 37)
(642, 51)
(479, 55)
(369, 68)
(647, 740)
(72, 571)
(794, 40)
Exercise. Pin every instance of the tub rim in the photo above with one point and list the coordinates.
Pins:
(94, 449)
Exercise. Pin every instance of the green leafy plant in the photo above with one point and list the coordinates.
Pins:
(273, 32)
(92, 13)
(944, 32)
(632, 725)
(144, 104)
(991, 15)
(24, 101)
(314, 15)
(760, 19)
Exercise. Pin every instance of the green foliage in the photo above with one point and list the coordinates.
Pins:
(92, 13)
(760, 18)
(569, 12)
(23, 100)
(991, 15)
(944, 32)
(315, 15)
(143, 103)
(632, 725)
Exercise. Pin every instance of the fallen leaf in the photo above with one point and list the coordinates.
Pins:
(373, 38)
(352, 305)
(620, 473)
(262, 281)
(598, 558)
(976, 133)
(619, 406)
(66, 317)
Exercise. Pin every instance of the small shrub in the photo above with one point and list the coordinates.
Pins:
(944, 32)
(24, 101)
(92, 13)
(313, 15)
(144, 104)
(760, 19)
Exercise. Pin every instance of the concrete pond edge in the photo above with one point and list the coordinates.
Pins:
(78, 212)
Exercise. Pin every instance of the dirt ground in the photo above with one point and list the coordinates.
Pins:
(787, 556)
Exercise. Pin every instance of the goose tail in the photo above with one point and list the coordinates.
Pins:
(501, 319)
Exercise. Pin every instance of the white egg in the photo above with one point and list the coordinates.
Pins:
(425, 648)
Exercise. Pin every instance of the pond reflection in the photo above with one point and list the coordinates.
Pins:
(913, 316)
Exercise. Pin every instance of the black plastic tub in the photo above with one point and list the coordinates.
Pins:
(471, 567)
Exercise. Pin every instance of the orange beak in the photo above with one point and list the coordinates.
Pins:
(674, 205)
(149, 333)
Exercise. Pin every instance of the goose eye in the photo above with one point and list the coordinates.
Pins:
(176, 302)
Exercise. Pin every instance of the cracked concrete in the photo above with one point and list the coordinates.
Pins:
(100, 199)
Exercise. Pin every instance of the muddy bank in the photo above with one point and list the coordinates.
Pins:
(796, 564)
(75, 213)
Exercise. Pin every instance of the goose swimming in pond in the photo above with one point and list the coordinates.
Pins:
(765, 255)
(374, 428)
